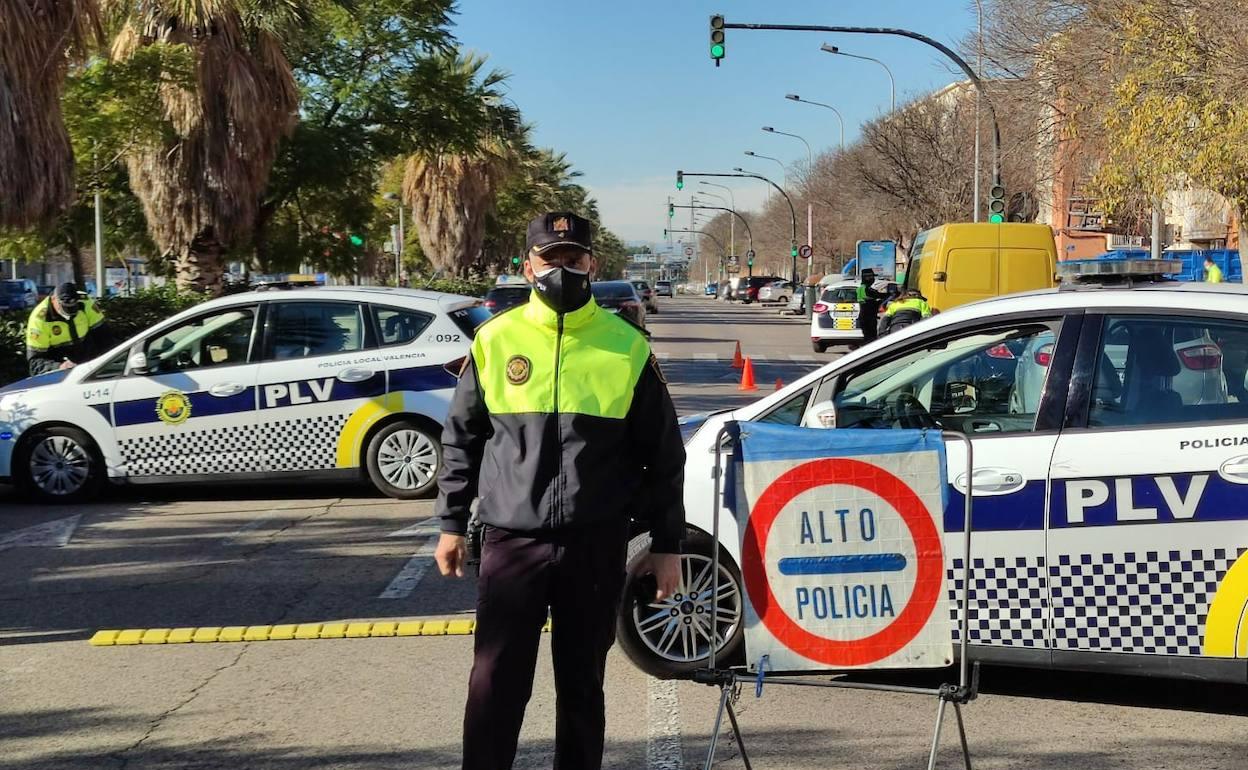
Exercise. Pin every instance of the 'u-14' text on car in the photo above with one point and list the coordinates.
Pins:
(1110, 429)
(310, 382)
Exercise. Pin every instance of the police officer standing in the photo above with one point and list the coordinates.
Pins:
(563, 427)
(64, 330)
(1213, 273)
(869, 305)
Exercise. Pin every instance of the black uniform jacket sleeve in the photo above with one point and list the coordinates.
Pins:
(464, 437)
(655, 436)
(44, 361)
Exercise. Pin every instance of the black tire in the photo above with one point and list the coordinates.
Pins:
(820, 346)
(783, 300)
(638, 600)
(408, 453)
(58, 465)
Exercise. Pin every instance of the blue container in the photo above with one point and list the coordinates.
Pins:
(1194, 264)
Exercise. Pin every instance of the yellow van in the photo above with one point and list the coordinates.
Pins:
(955, 264)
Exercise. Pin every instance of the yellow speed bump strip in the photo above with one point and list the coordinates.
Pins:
(361, 629)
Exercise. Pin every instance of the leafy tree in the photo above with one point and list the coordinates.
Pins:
(36, 160)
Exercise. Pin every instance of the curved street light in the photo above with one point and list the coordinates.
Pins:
(892, 84)
(840, 118)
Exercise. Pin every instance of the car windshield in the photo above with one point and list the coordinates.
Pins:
(612, 290)
(14, 287)
(840, 294)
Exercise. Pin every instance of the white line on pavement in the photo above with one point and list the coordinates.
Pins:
(663, 747)
(250, 526)
(419, 529)
(50, 534)
(409, 577)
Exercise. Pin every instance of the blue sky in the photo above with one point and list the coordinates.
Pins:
(628, 91)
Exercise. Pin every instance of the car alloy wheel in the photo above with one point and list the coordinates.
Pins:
(678, 629)
(408, 459)
(59, 466)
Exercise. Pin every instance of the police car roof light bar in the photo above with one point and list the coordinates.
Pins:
(1084, 273)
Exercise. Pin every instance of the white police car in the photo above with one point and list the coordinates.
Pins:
(343, 381)
(1111, 504)
(834, 317)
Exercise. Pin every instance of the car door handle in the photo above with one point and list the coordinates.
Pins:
(993, 480)
(356, 375)
(1235, 470)
(224, 389)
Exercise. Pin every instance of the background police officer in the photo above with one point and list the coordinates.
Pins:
(869, 305)
(563, 427)
(909, 309)
(65, 329)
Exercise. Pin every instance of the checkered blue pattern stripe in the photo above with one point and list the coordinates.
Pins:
(1149, 602)
(304, 444)
(1009, 601)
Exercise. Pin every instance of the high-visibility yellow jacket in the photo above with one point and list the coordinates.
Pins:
(51, 340)
(1214, 274)
(559, 421)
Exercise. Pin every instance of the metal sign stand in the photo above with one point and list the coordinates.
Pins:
(729, 680)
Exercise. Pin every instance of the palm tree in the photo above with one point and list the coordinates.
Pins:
(36, 160)
(451, 186)
(201, 187)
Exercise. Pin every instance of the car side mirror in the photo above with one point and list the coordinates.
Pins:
(822, 415)
(137, 364)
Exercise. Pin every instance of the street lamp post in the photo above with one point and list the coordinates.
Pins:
(810, 210)
(732, 222)
(398, 247)
(892, 84)
(792, 217)
(840, 118)
(784, 171)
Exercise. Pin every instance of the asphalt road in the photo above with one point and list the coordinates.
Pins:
(263, 555)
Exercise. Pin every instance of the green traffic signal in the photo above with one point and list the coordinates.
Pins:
(717, 38)
(996, 219)
(515, 260)
(996, 204)
(356, 240)
(671, 211)
(793, 252)
(680, 180)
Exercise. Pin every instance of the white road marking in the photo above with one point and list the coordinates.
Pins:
(50, 534)
(706, 356)
(250, 526)
(419, 529)
(663, 747)
(410, 576)
(802, 359)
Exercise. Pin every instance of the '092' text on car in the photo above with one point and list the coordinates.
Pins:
(1110, 429)
(329, 382)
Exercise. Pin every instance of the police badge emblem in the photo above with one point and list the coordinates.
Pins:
(518, 370)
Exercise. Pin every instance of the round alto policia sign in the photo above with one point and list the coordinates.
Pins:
(843, 565)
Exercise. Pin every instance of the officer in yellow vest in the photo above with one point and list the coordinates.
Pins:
(562, 426)
(65, 329)
(909, 309)
(1213, 273)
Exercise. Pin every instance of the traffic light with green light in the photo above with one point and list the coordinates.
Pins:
(515, 261)
(356, 240)
(717, 38)
(680, 180)
(671, 211)
(996, 204)
(793, 251)
(749, 262)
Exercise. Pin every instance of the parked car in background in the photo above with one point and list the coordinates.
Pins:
(18, 294)
(506, 296)
(647, 295)
(663, 288)
(746, 288)
(620, 297)
(776, 291)
(712, 289)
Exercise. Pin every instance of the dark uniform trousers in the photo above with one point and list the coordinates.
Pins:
(578, 574)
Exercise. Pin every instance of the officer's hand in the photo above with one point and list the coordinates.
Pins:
(451, 555)
(666, 567)
(67, 365)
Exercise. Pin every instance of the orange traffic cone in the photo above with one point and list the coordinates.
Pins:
(737, 360)
(779, 383)
(747, 376)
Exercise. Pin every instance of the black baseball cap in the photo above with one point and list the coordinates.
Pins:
(68, 298)
(558, 228)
